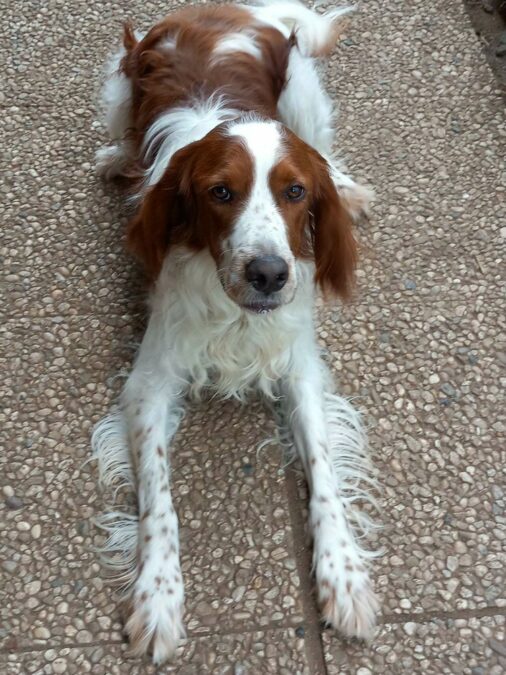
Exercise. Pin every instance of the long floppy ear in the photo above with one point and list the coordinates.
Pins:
(335, 248)
(164, 217)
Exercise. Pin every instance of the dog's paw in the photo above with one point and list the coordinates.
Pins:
(156, 617)
(347, 599)
(110, 161)
(357, 199)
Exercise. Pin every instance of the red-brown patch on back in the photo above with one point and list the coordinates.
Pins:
(179, 209)
(319, 225)
(164, 78)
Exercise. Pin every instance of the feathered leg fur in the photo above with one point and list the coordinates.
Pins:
(330, 442)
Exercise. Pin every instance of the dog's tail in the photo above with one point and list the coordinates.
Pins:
(316, 33)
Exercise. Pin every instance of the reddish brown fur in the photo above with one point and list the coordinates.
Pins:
(179, 209)
(321, 211)
(165, 78)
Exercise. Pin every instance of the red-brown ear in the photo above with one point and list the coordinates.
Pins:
(164, 216)
(335, 248)
(148, 235)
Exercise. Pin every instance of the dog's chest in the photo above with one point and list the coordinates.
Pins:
(231, 355)
(214, 342)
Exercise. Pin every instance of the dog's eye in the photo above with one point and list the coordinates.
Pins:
(295, 192)
(221, 193)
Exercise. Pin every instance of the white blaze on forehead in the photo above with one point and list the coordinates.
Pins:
(263, 140)
(261, 228)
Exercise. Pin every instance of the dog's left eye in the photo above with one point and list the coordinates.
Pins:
(295, 192)
(222, 193)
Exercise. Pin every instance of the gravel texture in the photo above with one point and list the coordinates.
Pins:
(272, 652)
(421, 349)
(472, 646)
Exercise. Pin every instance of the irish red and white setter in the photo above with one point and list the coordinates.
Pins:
(218, 118)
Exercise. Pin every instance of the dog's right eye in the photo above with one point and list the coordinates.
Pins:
(221, 193)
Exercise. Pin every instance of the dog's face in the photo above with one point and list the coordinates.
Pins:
(258, 199)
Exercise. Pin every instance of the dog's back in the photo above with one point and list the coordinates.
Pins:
(205, 52)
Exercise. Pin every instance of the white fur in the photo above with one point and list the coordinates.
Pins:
(116, 103)
(168, 43)
(116, 97)
(331, 444)
(315, 32)
(180, 127)
(237, 42)
(238, 350)
(304, 105)
(198, 338)
(260, 228)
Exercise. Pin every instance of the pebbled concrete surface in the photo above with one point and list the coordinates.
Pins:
(422, 349)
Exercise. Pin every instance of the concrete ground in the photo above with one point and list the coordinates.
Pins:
(421, 349)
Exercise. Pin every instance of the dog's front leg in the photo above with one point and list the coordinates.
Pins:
(344, 590)
(151, 408)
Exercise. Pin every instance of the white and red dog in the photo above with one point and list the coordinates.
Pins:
(218, 117)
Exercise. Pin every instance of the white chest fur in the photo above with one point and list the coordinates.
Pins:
(197, 328)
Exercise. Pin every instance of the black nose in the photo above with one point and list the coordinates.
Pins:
(267, 273)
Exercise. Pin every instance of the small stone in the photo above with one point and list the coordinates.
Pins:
(497, 492)
(41, 633)
(452, 562)
(36, 530)
(248, 469)
(238, 593)
(33, 587)
(204, 609)
(364, 671)
(84, 636)
(410, 628)
(462, 354)
(405, 603)
(409, 285)
(449, 390)
(78, 585)
(14, 503)
(59, 665)
(9, 492)
(498, 647)
(9, 566)
(299, 631)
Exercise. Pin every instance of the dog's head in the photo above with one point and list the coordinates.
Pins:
(259, 199)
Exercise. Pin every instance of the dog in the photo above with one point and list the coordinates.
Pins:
(218, 119)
